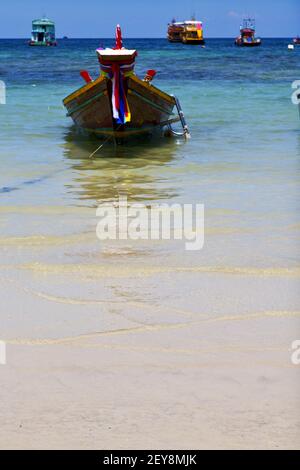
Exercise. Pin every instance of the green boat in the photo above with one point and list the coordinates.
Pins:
(43, 33)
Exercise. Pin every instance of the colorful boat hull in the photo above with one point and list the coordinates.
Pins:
(90, 107)
(241, 43)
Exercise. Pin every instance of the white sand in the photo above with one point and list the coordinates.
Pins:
(148, 358)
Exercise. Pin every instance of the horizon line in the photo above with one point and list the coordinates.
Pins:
(141, 37)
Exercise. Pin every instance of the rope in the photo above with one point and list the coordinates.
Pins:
(105, 142)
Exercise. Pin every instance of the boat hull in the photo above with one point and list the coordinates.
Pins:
(194, 42)
(91, 109)
(248, 45)
(240, 43)
(171, 39)
(42, 44)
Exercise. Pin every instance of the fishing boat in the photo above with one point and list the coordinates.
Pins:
(247, 36)
(118, 103)
(43, 33)
(186, 32)
(297, 40)
(175, 30)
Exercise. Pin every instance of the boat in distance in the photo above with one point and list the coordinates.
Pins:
(43, 33)
(175, 29)
(118, 103)
(247, 36)
(186, 32)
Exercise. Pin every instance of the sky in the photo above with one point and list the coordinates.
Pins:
(147, 19)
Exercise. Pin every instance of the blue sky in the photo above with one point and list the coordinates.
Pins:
(141, 18)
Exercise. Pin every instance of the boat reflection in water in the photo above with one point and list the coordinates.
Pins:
(138, 170)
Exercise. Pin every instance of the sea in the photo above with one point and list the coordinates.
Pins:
(242, 161)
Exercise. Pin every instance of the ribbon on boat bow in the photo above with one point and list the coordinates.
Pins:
(118, 71)
(118, 67)
(121, 111)
(119, 40)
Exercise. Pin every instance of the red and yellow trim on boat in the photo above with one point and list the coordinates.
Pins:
(83, 90)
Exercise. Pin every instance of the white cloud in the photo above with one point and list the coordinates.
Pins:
(234, 14)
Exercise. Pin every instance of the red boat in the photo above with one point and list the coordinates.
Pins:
(247, 37)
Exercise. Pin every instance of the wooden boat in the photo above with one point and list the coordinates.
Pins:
(43, 33)
(247, 36)
(118, 103)
(297, 40)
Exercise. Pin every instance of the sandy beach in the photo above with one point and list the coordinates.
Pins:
(142, 344)
(131, 356)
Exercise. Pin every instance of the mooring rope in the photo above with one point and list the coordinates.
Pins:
(105, 142)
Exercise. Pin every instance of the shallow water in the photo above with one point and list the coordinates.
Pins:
(242, 161)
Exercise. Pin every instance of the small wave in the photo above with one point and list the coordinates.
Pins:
(121, 271)
(149, 328)
(44, 240)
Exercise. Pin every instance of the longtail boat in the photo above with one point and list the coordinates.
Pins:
(118, 103)
(247, 35)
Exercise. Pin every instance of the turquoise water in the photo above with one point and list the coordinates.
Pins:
(242, 162)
